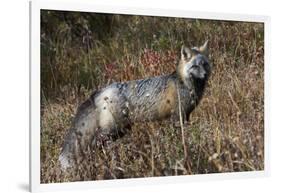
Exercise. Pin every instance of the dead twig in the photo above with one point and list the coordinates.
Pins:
(186, 157)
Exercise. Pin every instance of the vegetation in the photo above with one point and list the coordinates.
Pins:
(82, 52)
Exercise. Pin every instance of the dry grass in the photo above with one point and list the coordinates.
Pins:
(225, 132)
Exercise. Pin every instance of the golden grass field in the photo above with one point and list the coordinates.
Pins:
(82, 52)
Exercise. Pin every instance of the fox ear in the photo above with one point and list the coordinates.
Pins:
(204, 49)
(186, 53)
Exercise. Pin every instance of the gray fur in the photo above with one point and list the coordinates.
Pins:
(109, 113)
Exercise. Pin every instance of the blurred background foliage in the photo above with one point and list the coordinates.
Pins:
(78, 48)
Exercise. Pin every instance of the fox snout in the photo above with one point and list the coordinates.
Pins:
(200, 71)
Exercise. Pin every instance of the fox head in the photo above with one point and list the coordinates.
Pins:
(194, 64)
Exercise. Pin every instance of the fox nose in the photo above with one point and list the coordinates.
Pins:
(204, 74)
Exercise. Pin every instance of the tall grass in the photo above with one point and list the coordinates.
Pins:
(82, 52)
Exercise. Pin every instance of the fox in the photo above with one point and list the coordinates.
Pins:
(109, 113)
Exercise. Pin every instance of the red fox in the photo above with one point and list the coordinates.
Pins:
(109, 113)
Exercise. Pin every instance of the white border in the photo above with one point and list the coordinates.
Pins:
(34, 144)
